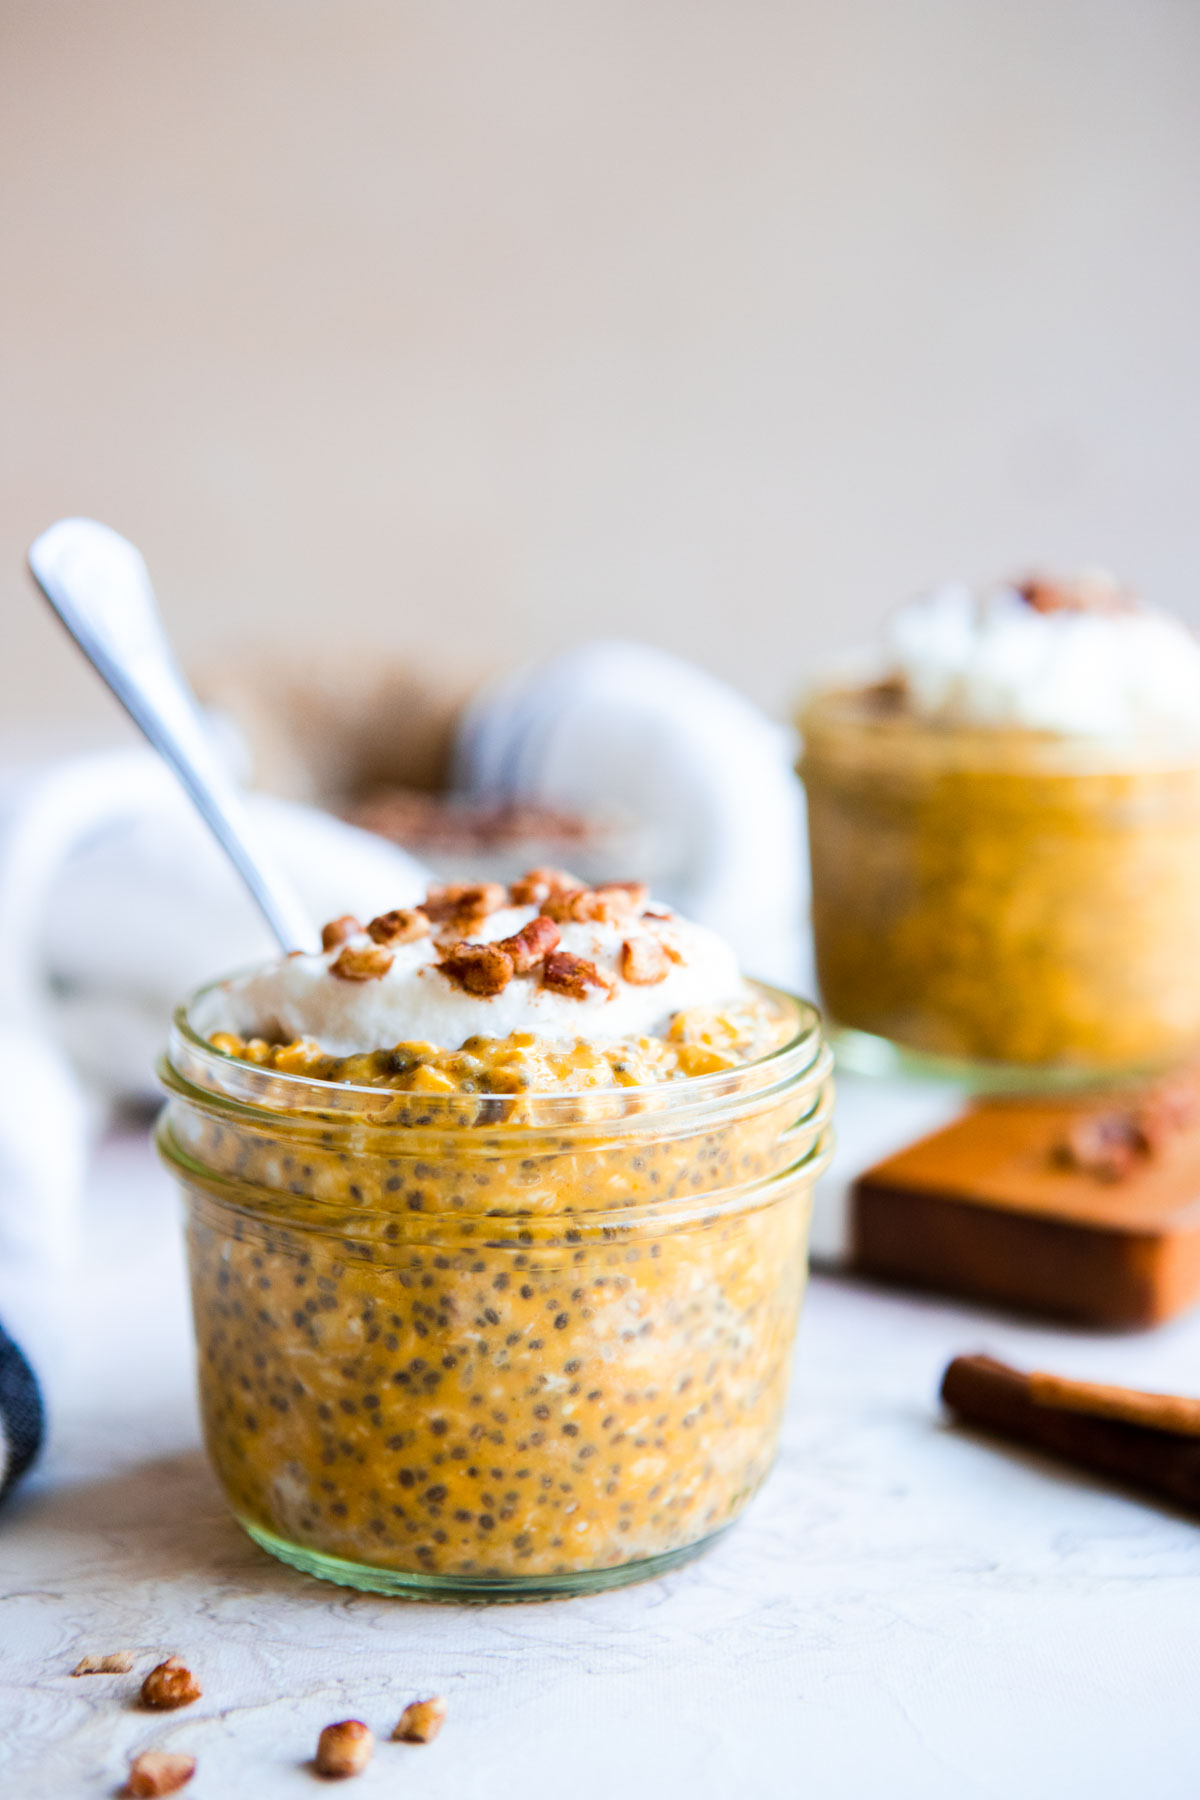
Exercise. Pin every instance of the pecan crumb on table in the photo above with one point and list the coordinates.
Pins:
(169, 1685)
(157, 1772)
(421, 1721)
(344, 1749)
(117, 1662)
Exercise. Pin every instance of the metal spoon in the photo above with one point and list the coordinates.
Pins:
(97, 583)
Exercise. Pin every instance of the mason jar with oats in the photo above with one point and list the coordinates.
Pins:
(1004, 826)
(496, 1215)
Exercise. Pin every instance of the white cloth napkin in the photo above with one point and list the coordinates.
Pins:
(114, 902)
(707, 780)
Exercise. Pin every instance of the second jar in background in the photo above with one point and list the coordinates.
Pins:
(1003, 896)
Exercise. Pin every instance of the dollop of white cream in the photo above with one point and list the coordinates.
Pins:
(414, 1002)
(991, 659)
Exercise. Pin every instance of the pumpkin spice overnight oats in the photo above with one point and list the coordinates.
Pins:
(1005, 836)
(497, 1214)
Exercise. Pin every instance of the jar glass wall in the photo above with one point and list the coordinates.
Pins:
(493, 1350)
(1008, 901)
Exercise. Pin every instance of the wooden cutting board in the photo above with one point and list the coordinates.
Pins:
(995, 1207)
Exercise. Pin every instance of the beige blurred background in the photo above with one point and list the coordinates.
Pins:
(473, 329)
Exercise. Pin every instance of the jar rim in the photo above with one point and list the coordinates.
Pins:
(195, 1069)
(838, 715)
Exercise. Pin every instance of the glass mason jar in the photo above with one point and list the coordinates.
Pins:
(465, 1347)
(1016, 903)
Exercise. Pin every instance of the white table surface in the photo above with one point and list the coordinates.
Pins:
(906, 1609)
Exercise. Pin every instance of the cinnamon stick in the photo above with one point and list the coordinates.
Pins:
(1161, 1412)
(1148, 1454)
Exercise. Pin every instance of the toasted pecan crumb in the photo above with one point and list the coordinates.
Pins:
(170, 1684)
(403, 926)
(481, 969)
(364, 962)
(467, 901)
(572, 975)
(560, 904)
(1106, 1145)
(528, 946)
(1110, 1144)
(421, 1721)
(634, 894)
(1168, 1108)
(536, 884)
(345, 1748)
(338, 930)
(1090, 592)
(583, 905)
(643, 961)
(157, 1772)
(117, 1662)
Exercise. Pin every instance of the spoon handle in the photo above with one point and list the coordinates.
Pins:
(96, 581)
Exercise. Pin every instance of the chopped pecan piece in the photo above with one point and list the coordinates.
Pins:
(465, 902)
(1109, 1145)
(338, 930)
(403, 926)
(564, 904)
(584, 906)
(612, 903)
(169, 1685)
(368, 962)
(1092, 592)
(528, 946)
(1166, 1109)
(572, 975)
(157, 1772)
(421, 1722)
(345, 1748)
(634, 894)
(117, 1662)
(643, 961)
(536, 884)
(482, 969)
(1106, 1145)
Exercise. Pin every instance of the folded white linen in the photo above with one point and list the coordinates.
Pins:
(706, 779)
(144, 906)
(114, 901)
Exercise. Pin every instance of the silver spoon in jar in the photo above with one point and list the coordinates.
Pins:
(97, 583)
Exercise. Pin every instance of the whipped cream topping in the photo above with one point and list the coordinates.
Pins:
(993, 659)
(415, 1002)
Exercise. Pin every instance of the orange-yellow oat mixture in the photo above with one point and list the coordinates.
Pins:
(518, 1310)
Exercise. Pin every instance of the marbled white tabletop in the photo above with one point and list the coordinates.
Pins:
(905, 1611)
